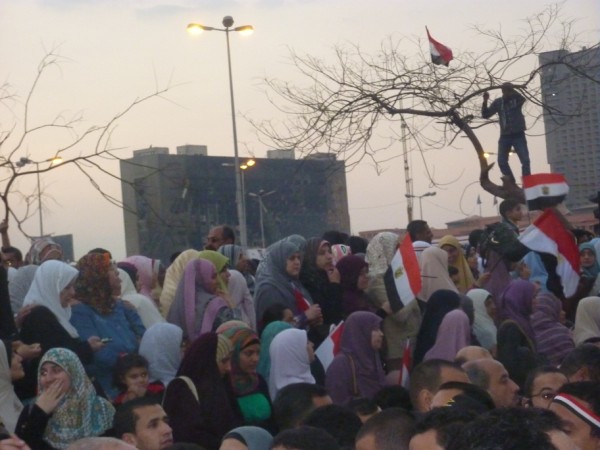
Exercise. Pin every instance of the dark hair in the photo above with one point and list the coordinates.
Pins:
(130, 269)
(427, 375)
(358, 244)
(124, 364)
(100, 251)
(395, 396)
(587, 391)
(452, 271)
(508, 205)
(174, 256)
(416, 227)
(391, 429)
(273, 313)
(294, 403)
(363, 406)
(335, 237)
(473, 398)
(475, 237)
(447, 423)
(305, 438)
(339, 421)
(584, 355)
(125, 417)
(10, 249)
(528, 385)
(508, 429)
(228, 233)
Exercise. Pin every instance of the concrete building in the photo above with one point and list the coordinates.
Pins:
(171, 201)
(571, 93)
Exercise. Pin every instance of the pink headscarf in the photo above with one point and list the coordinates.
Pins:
(147, 272)
(201, 271)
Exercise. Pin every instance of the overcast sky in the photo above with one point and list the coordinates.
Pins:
(116, 51)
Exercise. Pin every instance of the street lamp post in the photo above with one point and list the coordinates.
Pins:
(228, 23)
(420, 197)
(261, 206)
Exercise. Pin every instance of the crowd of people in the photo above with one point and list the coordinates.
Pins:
(307, 349)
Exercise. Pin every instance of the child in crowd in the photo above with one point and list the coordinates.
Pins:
(131, 378)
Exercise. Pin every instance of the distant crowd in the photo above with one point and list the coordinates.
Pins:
(311, 348)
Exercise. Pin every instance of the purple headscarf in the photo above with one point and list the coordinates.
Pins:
(453, 334)
(516, 303)
(553, 339)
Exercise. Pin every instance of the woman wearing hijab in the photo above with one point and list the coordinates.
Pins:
(590, 271)
(456, 259)
(516, 338)
(434, 273)
(267, 336)
(241, 300)
(354, 273)
(50, 295)
(587, 321)
(291, 356)
(173, 277)
(553, 339)
(440, 303)
(484, 327)
(99, 313)
(200, 408)
(453, 335)
(10, 370)
(277, 282)
(238, 262)
(161, 346)
(322, 280)
(356, 371)
(145, 307)
(67, 407)
(147, 269)
(249, 389)
(221, 263)
(198, 308)
(247, 438)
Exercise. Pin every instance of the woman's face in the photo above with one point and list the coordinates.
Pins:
(587, 258)
(324, 259)
(310, 349)
(490, 307)
(377, 339)
(16, 367)
(67, 294)
(472, 259)
(249, 358)
(242, 264)
(224, 365)
(363, 279)
(452, 253)
(213, 284)
(293, 264)
(51, 373)
(225, 275)
(114, 281)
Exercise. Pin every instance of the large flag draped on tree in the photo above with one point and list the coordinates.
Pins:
(549, 235)
(543, 190)
(440, 54)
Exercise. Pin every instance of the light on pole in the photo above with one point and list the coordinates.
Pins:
(23, 161)
(420, 197)
(244, 29)
(261, 207)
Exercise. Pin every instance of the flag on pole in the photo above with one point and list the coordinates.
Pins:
(330, 346)
(406, 272)
(543, 190)
(440, 54)
(548, 235)
(404, 378)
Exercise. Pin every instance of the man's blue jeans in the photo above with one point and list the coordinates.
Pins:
(519, 143)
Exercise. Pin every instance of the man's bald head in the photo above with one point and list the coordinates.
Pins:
(472, 353)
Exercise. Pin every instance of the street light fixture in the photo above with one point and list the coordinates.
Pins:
(261, 207)
(23, 161)
(244, 29)
(420, 197)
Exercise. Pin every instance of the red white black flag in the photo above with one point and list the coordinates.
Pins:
(440, 54)
(543, 190)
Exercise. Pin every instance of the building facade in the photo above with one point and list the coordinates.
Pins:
(571, 94)
(172, 200)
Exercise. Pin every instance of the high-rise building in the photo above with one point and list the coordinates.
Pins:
(171, 201)
(571, 96)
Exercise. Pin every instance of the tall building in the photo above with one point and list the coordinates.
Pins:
(571, 95)
(171, 201)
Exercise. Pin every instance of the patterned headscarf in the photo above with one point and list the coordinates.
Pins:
(92, 286)
(232, 252)
(81, 413)
(380, 252)
(241, 337)
(43, 249)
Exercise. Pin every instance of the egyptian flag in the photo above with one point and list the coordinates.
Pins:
(543, 190)
(330, 346)
(548, 235)
(406, 275)
(404, 377)
(440, 54)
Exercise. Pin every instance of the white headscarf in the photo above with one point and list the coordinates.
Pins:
(289, 360)
(10, 406)
(161, 346)
(144, 306)
(484, 327)
(49, 281)
(241, 298)
(587, 320)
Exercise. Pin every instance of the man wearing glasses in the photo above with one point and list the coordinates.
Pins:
(542, 386)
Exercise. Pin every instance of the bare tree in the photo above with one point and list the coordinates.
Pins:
(88, 149)
(349, 104)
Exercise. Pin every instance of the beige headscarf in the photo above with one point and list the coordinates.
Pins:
(434, 272)
(173, 277)
(465, 276)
